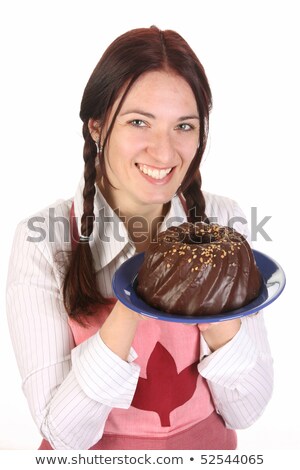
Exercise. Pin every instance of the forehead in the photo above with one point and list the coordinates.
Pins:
(160, 88)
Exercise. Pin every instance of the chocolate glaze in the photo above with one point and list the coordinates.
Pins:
(199, 269)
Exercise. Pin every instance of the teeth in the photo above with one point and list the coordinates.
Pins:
(154, 173)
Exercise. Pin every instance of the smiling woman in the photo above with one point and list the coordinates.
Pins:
(149, 150)
(97, 374)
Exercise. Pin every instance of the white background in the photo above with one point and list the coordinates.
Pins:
(250, 50)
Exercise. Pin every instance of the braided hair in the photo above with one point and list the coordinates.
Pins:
(128, 57)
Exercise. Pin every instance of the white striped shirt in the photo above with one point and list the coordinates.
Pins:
(71, 390)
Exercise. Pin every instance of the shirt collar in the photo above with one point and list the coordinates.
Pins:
(110, 235)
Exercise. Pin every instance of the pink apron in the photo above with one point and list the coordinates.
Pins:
(172, 406)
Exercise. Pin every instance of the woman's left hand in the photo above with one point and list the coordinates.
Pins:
(218, 334)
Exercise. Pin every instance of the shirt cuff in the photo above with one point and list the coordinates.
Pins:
(232, 362)
(104, 376)
(204, 348)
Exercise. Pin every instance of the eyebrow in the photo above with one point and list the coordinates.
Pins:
(149, 115)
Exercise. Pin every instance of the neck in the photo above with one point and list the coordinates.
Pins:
(141, 221)
(143, 229)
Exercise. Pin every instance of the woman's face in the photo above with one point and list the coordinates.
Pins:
(153, 141)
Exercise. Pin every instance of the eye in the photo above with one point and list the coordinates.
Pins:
(137, 123)
(185, 127)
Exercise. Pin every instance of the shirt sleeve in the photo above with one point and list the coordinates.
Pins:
(240, 374)
(70, 390)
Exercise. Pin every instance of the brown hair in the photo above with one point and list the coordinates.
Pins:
(127, 58)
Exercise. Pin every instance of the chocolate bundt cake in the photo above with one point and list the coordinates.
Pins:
(199, 269)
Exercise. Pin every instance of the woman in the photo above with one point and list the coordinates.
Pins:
(95, 373)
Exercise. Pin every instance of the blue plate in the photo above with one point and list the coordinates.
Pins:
(125, 279)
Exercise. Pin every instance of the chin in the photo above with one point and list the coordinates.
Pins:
(157, 197)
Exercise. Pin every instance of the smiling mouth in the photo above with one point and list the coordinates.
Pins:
(156, 173)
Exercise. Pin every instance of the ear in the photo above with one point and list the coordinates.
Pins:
(95, 129)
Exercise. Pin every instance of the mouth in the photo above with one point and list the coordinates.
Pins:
(155, 173)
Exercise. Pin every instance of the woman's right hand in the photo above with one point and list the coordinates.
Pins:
(119, 329)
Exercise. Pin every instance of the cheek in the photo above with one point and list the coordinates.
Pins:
(114, 156)
(123, 158)
(187, 148)
(188, 157)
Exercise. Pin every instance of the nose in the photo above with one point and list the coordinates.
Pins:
(161, 149)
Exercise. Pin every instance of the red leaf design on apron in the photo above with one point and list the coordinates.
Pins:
(164, 389)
